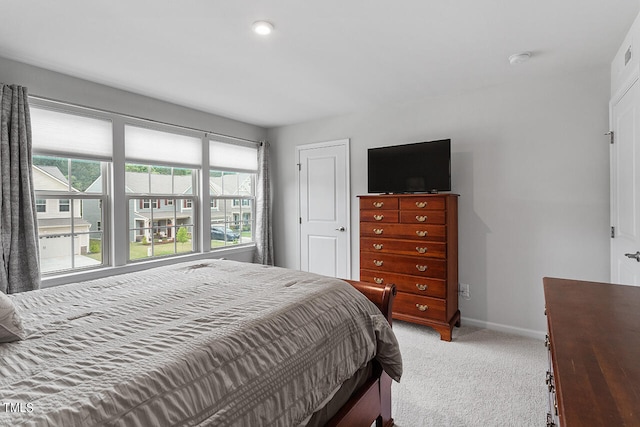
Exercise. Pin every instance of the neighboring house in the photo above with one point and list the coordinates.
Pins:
(235, 213)
(238, 212)
(54, 216)
(140, 222)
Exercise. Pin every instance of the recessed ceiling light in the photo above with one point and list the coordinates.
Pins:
(262, 27)
(519, 58)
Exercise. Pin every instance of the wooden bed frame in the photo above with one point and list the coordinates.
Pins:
(372, 401)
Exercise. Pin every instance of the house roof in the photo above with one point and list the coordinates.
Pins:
(54, 172)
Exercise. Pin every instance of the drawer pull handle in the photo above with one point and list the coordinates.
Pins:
(378, 230)
(378, 204)
(378, 263)
(422, 307)
(378, 280)
(421, 233)
(422, 267)
(422, 287)
(378, 246)
(378, 217)
(422, 218)
(421, 250)
(421, 205)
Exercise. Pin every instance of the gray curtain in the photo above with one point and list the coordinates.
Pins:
(18, 223)
(264, 234)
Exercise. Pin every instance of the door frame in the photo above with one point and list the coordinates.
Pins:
(624, 88)
(338, 142)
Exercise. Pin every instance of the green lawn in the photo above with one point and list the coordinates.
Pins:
(138, 250)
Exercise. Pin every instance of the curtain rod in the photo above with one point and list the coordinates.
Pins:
(101, 110)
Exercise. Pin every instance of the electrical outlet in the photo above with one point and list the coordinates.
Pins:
(464, 290)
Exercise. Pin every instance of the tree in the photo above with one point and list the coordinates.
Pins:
(182, 236)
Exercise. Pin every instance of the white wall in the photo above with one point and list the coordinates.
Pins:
(531, 165)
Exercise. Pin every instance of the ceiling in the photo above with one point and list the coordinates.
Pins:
(325, 58)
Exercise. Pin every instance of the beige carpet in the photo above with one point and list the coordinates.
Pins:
(481, 378)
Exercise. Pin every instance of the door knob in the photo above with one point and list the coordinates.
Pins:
(340, 229)
(635, 256)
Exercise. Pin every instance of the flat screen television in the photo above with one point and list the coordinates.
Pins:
(422, 167)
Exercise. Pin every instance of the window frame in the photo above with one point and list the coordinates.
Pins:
(72, 197)
(114, 199)
(103, 197)
(237, 201)
(64, 203)
(41, 203)
(153, 200)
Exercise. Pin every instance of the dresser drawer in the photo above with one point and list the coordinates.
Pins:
(431, 232)
(415, 266)
(379, 216)
(423, 307)
(422, 202)
(379, 203)
(404, 283)
(404, 247)
(422, 217)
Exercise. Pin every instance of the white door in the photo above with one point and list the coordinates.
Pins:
(625, 188)
(323, 194)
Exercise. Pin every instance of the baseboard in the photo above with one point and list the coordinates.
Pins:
(504, 328)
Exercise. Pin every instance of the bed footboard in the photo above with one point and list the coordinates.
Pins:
(372, 402)
(381, 295)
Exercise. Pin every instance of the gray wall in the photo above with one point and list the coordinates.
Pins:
(65, 88)
(60, 87)
(531, 165)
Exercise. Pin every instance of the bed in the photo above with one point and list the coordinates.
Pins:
(209, 342)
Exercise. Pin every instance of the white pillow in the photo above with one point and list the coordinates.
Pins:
(10, 323)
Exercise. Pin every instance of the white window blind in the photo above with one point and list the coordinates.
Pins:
(55, 132)
(148, 146)
(227, 156)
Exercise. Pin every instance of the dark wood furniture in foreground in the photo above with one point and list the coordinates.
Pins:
(411, 240)
(372, 402)
(594, 348)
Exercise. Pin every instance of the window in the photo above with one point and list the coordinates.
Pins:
(71, 157)
(161, 229)
(237, 202)
(146, 204)
(72, 168)
(232, 189)
(63, 205)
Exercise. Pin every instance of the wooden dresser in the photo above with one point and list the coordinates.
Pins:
(594, 353)
(412, 241)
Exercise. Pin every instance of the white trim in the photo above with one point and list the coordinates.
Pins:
(504, 328)
(625, 86)
(72, 277)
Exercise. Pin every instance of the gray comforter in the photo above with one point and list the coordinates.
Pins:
(200, 343)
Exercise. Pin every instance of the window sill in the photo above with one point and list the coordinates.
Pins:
(239, 253)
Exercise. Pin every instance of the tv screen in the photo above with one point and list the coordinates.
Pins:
(410, 168)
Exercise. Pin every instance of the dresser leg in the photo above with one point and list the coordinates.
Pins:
(446, 329)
